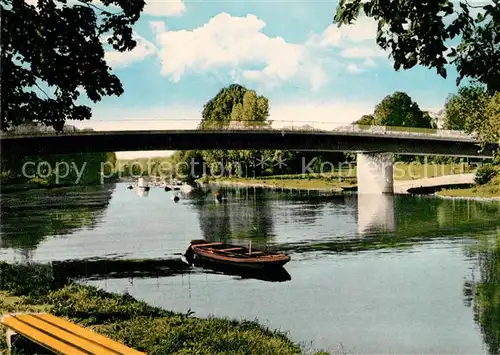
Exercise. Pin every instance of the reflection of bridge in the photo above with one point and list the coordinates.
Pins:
(374, 144)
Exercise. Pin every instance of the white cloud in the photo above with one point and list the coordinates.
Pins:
(239, 45)
(143, 49)
(235, 42)
(353, 68)
(355, 41)
(369, 63)
(164, 7)
(366, 52)
(362, 30)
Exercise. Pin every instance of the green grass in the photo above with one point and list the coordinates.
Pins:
(489, 190)
(313, 183)
(132, 322)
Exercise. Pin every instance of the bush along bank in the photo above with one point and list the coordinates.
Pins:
(32, 287)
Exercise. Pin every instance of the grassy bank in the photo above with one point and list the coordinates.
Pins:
(134, 323)
(488, 190)
(341, 179)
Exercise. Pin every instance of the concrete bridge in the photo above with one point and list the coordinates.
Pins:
(375, 145)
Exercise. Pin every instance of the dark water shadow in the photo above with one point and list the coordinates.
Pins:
(102, 269)
(271, 274)
(99, 269)
(427, 190)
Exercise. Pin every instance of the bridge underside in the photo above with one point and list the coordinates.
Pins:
(191, 140)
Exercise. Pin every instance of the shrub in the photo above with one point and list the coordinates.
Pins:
(34, 280)
(485, 173)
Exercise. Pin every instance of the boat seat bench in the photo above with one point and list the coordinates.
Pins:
(230, 249)
(61, 336)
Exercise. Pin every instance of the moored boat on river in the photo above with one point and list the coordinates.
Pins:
(235, 255)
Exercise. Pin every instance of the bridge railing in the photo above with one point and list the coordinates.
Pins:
(194, 124)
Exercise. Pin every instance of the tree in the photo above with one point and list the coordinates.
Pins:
(255, 108)
(400, 110)
(218, 110)
(365, 120)
(419, 32)
(489, 129)
(234, 103)
(465, 107)
(51, 51)
(474, 111)
(237, 114)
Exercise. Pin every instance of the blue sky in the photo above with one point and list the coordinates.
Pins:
(288, 51)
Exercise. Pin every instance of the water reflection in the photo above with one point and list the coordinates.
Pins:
(275, 274)
(376, 213)
(244, 214)
(142, 192)
(28, 217)
(485, 292)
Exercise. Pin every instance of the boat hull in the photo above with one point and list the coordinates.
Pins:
(202, 252)
(242, 264)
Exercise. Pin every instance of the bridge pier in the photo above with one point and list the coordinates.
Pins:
(375, 173)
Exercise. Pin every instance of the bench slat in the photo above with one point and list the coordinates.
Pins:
(89, 334)
(64, 335)
(40, 337)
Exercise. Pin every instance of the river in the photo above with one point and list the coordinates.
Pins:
(400, 274)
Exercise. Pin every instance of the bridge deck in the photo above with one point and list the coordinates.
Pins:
(349, 139)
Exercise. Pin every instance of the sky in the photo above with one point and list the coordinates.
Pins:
(289, 51)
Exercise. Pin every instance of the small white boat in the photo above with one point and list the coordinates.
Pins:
(187, 188)
(142, 182)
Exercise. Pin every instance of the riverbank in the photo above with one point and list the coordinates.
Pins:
(488, 191)
(32, 288)
(319, 184)
(447, 186)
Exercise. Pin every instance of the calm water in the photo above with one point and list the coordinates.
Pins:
(378, 275)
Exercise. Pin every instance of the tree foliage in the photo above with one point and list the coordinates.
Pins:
(419, 32)
(51, 51)
(365, 120)
(397, 110)
(474, 111)
(234, 103)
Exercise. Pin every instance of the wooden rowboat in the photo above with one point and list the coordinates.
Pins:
(234, 255)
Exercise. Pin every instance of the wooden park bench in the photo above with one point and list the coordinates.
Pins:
(58, 336)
